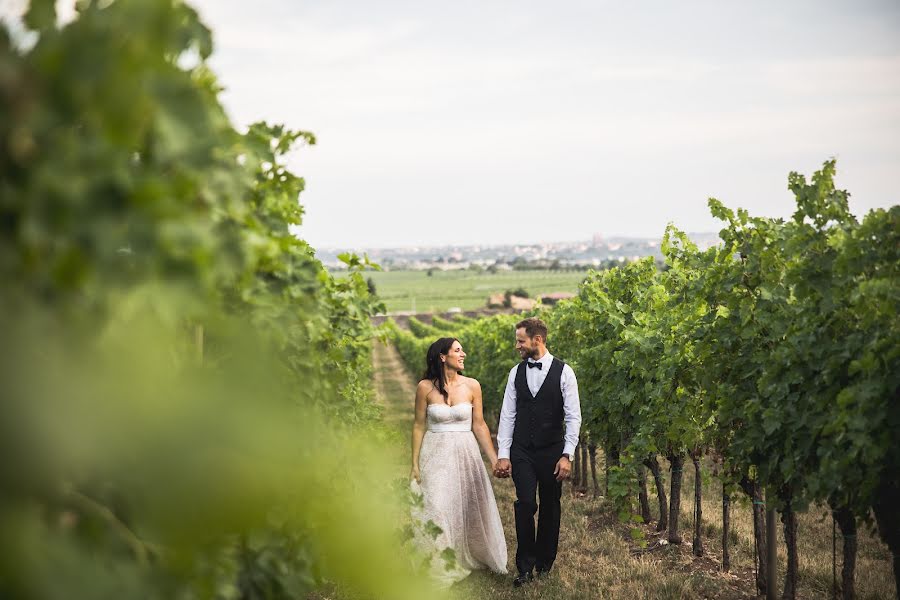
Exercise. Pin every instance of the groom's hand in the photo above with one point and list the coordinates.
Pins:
(563, 468)
(502, 468)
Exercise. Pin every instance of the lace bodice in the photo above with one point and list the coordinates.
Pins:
(443, 417)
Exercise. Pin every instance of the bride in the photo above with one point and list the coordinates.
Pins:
(448, 469)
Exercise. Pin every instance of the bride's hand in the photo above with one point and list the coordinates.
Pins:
(414, 474)
(502, 468)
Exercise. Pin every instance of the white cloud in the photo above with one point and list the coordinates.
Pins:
(837, 76)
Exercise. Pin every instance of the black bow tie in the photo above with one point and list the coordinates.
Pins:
(537, 365)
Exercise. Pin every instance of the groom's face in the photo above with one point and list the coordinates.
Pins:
(525, 345)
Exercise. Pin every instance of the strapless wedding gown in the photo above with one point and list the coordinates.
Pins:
(457, 495)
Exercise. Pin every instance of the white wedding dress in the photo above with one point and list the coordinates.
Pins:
(458, 497)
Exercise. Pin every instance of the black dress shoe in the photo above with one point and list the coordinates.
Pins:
(522, 579)
(542, 573)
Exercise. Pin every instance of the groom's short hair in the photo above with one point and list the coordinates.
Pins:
(533, 326)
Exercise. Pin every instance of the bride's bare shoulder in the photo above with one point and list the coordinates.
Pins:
(424, 387)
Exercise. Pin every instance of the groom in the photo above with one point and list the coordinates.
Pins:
(541, 395)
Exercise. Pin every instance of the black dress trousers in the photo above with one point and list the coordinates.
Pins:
(532, 473)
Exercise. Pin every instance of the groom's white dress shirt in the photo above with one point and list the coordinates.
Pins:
(535, 378)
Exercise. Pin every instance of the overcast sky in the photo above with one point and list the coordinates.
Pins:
(493, 121)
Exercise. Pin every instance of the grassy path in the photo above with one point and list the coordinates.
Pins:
(394, 388)
(597, 560)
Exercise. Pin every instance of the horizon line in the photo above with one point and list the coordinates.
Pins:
(500, 244)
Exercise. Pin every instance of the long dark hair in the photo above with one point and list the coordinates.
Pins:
(434, 366)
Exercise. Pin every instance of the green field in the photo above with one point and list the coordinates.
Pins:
(467, 290)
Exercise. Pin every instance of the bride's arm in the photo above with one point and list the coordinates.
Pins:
(418, 430)
(479, 427)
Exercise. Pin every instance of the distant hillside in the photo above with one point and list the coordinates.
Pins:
(597, 252)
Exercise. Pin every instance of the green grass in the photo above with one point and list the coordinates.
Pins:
(468, 290)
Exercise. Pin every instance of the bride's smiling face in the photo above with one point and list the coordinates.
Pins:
(455, 357)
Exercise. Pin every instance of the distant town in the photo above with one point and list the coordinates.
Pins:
(595, 253)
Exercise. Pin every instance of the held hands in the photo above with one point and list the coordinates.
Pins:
(563, 468)
(502, 468)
